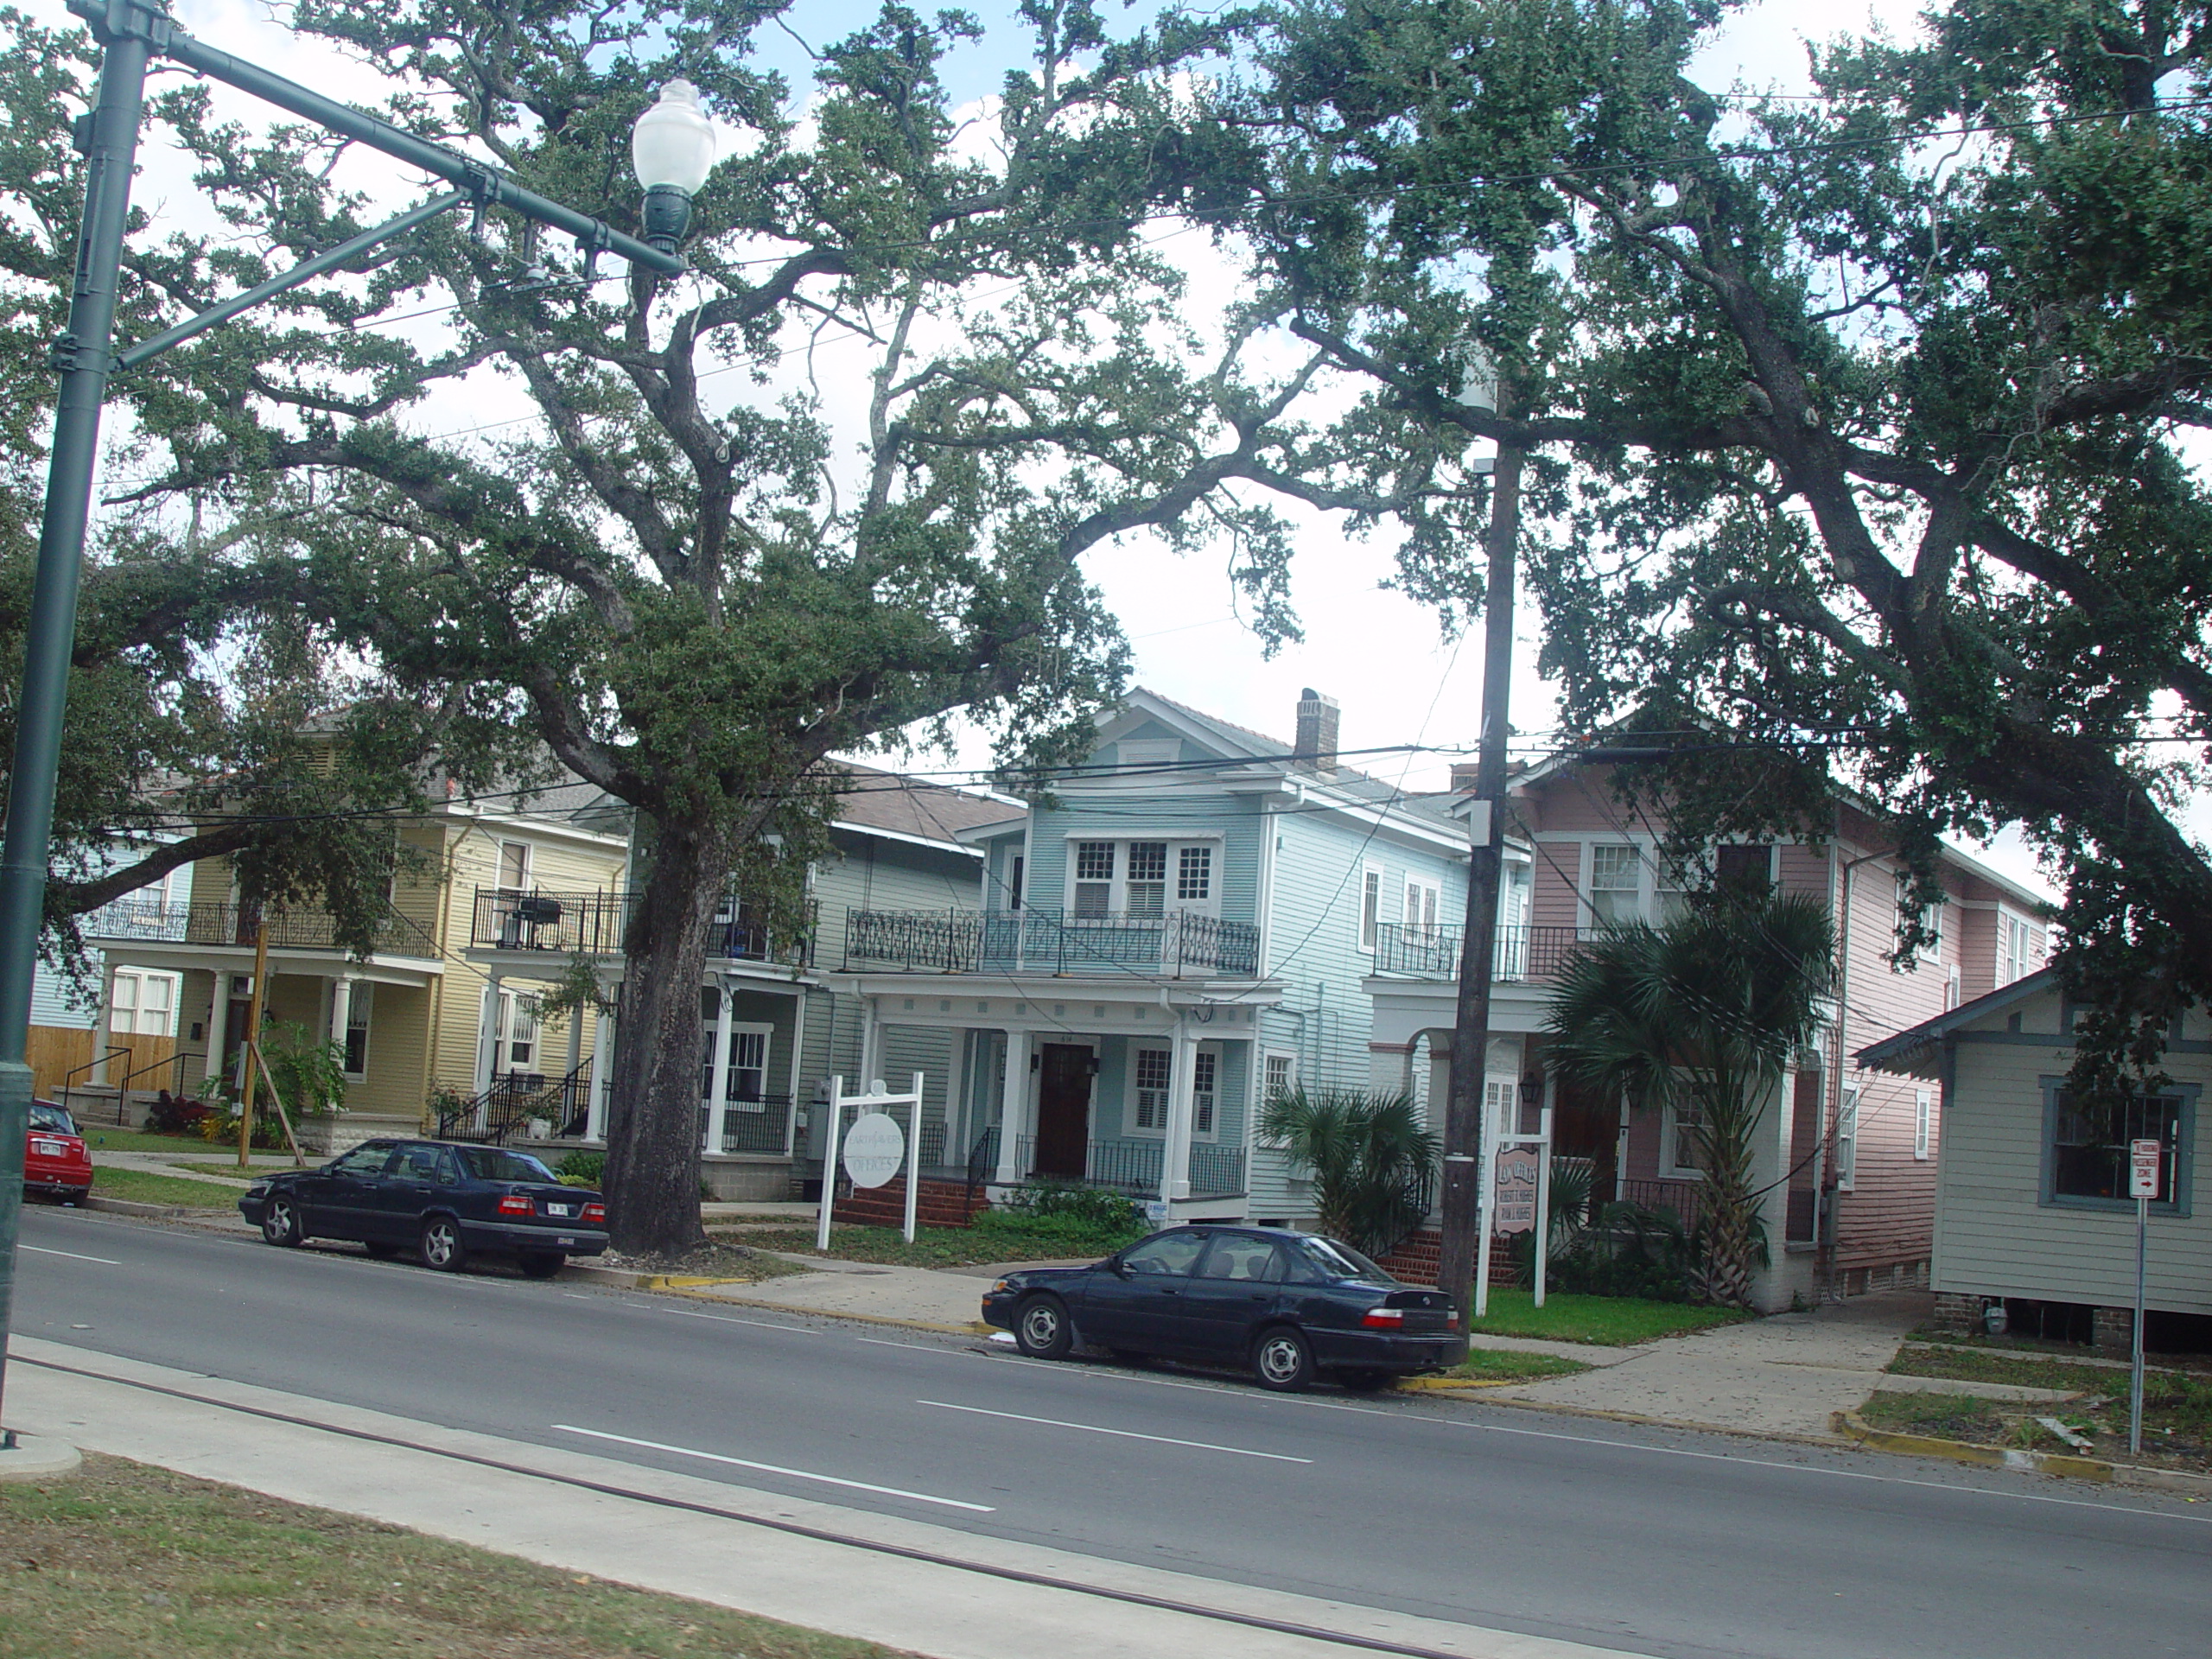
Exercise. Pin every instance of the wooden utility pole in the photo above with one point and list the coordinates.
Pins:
(252, 1045)
(1464, 1206)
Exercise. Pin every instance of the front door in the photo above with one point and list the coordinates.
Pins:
(1062, 1110)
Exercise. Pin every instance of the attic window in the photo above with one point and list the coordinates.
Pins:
(1149, 750)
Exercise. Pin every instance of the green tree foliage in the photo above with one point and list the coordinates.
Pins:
(833, 487)
(1374, 1163)
(1864, 421)
(1703, 1014)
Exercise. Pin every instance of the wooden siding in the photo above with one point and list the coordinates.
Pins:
(1995, 1238)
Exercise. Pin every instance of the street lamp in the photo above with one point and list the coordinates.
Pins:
(133, 33)
(672, 147)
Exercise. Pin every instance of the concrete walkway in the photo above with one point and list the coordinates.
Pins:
(1786, 1375)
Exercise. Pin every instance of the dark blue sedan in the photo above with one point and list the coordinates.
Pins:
(444, 1201)
(1287, 1305)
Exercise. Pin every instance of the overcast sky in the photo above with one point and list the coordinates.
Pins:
(1383, 657)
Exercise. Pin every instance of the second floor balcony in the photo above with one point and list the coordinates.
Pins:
(1177, 943)
(1522, 951)
(593, 924)
(154, 921)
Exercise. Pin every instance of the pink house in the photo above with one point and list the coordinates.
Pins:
(1847, 1156)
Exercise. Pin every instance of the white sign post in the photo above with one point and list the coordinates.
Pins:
(872, 1152)
(2144, 1159)
(1495, 1138)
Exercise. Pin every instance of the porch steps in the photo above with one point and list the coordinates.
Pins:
(1418, 1256)
(938, 1204)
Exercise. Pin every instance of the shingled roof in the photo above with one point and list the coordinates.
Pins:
(884, 800)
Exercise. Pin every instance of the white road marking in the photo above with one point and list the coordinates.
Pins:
(775, 1469)
(39, 1249)
(725, 1318)
(1123, 1434)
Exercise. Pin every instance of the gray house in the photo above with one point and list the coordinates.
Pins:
(2032, 1207)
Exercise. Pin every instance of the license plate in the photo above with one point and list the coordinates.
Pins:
(54, 1149)
(560, 1210)
(565, 1239)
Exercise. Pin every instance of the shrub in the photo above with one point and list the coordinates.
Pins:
(582, 1168)
(1373, 1160)
(1628, 1251)
(170, 1115)
(1064, 1234)
(1093, 1207)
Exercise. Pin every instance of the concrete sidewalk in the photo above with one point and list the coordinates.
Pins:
(909, 1584)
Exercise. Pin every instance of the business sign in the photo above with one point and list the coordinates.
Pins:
(2145, 1159)
(1516, 1208)
(873, 1150)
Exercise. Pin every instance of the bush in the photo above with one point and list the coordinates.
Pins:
(1025, 1234)
(582, 1169)
(220, 1128)
(1091, 1206)
(170, 1115)
(1627, 1251)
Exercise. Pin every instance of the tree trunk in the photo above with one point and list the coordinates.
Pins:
(652, 1131)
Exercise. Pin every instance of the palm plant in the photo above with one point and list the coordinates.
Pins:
(1702, 1014)
(1374, 1161)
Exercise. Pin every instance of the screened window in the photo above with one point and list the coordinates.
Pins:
(2086, 1158)
(1152, 1078)
(1194, 872)
(1148, 878)
(1616, 884)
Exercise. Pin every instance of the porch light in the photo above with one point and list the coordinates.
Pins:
(672, 147)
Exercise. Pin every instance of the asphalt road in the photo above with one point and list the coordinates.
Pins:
(1648, 1541)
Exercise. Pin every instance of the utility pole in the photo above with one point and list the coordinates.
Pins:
(1465, 1206)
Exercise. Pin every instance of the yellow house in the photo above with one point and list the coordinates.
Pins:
(429, 1039)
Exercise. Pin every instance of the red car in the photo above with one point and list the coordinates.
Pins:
(55, 1159)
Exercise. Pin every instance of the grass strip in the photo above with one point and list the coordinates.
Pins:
(1606, 1321)
(114, 1140)
(1503, 1365)
(140, 1187)
(123, 1560)
(1981, 1366)
(1945, 1416)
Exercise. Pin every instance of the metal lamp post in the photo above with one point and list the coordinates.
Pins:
(133, 33)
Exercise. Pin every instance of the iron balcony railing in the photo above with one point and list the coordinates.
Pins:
(761, 1124)
(1217, 1172)
(514, 1100)
(1523, 952)
(155, 921)
(592, 925)
(1053, 942)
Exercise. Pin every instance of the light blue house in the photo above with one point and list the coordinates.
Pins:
(1177, 927)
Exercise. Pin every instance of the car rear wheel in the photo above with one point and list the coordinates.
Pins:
(439, 1246)
(280, 1223)
(1282, 1361)
(541, 1264)
(1041, 1328)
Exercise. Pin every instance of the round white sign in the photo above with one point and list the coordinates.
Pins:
(873, 1150)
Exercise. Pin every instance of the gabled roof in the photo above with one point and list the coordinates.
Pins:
(902, 806)
(1915, 1045)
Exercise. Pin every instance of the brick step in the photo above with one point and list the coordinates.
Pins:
(1416, 1259)
(938, 1204)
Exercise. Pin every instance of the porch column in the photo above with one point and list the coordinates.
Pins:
(219, 1019)
(1175, 1148)
(798, 1052)
(104, 1024)
(718, 1076)
(341, 1007)
(575, 1042)
(1013, 1108)
(956, 1105)
(871, 1048)
(602, 1039)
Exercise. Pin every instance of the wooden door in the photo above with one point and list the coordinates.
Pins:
(1062, 1110)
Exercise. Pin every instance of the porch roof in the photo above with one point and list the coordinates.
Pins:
(1106, 1005)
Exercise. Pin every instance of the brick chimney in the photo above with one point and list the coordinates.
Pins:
(1317, 719)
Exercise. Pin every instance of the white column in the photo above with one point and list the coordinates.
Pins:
(575, 1042)
(602, 1039)
(799, 1053)
(718, 1079)
(871, 1047)
(219, 1019)
(1013, 1108)
(341, 1009)
(956, 1114)
(1175, 1150)
(103, 1025)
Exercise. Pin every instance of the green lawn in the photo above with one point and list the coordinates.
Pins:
(123, 1561)
(1607, 1321)
(111, 1139)
(1503, 1365)
(934, 1247)
(1945, 1416)
(230, 1171)
(140, 1188)
(1981, 1366)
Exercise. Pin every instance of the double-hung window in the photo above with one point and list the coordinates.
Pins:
(1141, 880)
(1094, 877)
(358, 1002)
(2016, 951)
(1616, 884)
(1194, 874)
(1148, 879)
(2086, 1145)
(1153, 1072)
(1205, 1071)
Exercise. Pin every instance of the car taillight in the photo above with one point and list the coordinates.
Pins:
(594, 1214)
(1383, 1318)
(515, 1205)
(1451, 1320)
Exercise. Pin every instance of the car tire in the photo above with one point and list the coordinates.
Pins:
(541, 1264)
(1042, 1329)
(440, 1247)
(280, 1223)
(1364, 1382)
(1282, 1360)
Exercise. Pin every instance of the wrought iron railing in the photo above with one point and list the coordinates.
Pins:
(1135, 1165)
(1523, 952)
(1054, 941)
(154, 921)
(1685, 1198)
(592, 925)
(759, 1125)
(514, 1100)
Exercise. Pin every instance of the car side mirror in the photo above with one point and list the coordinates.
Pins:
(1118, 1268)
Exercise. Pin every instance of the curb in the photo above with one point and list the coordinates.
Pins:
(974, 1327)
(1456, 1384)
(624, 1279)
(147, 1211)
(2065, 1465)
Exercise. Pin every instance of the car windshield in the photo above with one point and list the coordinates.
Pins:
(52, 1119)
(498, 1164)
(1340, 1261)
